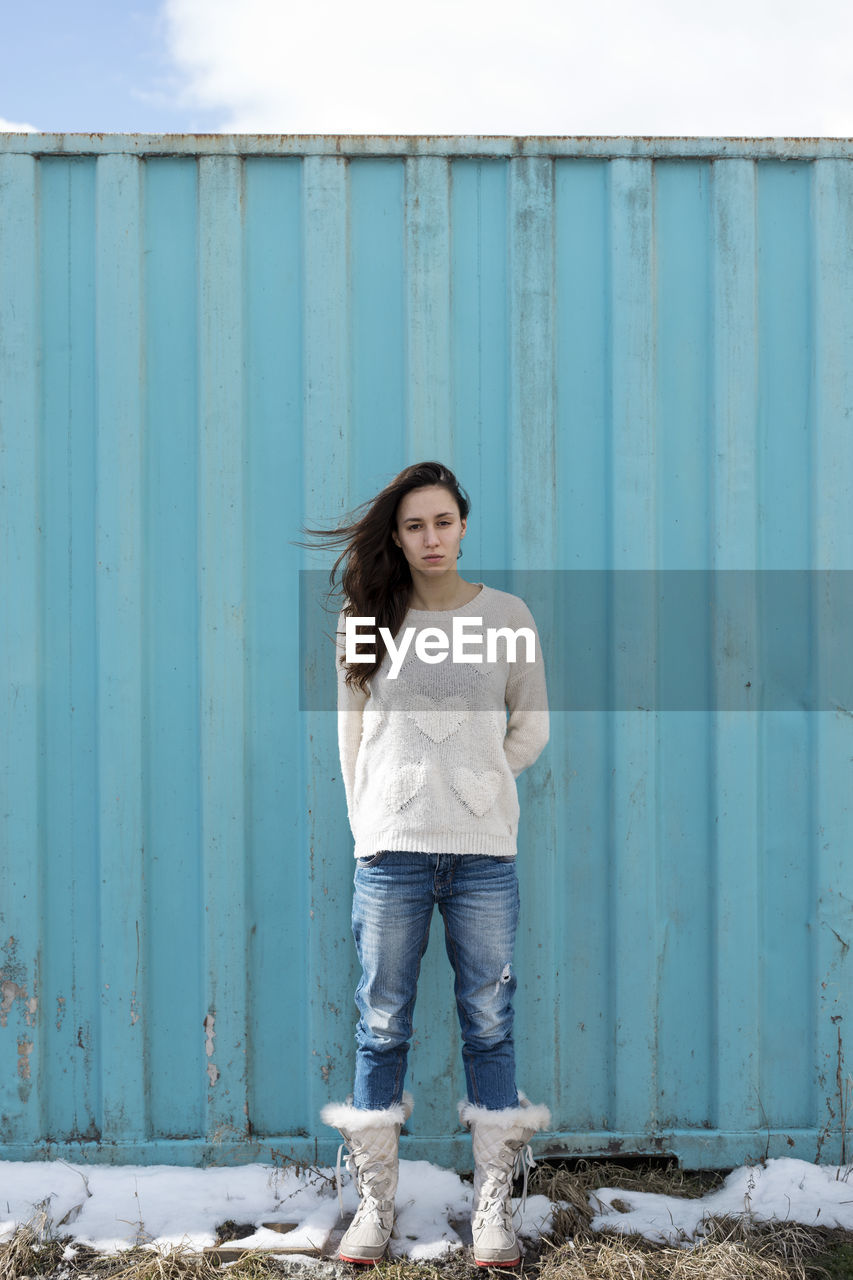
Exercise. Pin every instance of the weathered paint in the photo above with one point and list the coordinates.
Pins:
(636, 354)
(419, 145)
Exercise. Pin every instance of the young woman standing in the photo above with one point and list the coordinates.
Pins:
(429, 764)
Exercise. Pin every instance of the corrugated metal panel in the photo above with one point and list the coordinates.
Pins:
(636, 354)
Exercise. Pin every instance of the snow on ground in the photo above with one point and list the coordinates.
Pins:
(113, 1208)
(781, 1190)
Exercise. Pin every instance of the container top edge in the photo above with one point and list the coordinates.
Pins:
(417, 145)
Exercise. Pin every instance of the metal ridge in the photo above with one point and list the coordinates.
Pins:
(355, 146)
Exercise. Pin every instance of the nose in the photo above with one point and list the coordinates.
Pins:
(430, 537)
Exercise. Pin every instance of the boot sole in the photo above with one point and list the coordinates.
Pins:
(361, 1262)
(515, 1263)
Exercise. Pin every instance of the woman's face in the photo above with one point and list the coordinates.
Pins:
(429, 529)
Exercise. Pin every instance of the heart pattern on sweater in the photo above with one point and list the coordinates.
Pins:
(404, 784)
(477, 791)
(437, 718)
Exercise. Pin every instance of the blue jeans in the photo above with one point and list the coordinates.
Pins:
(477, 895)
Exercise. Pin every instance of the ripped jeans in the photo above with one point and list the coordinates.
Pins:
(477, 895)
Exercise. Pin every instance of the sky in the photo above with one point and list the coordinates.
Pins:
(713, 68)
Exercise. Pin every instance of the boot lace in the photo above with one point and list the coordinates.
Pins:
(372, 1210)
(370, 1206)
(496, 1194)
(338, 1179)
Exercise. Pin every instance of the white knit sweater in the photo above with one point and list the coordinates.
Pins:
(429, 760)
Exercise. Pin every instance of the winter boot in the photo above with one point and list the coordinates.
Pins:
(500, 1146)
(371, 1138)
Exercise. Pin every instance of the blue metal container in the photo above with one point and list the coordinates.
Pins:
(636, 355)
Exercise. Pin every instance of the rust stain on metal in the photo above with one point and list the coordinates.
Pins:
(25, 1048)
(11, 991)
(209, 1037)
(845, 946)
(13, 985)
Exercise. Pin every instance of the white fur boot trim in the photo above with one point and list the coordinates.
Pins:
(343, 1115)
(532, 1117)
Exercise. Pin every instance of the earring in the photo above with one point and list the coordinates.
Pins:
(459, 552)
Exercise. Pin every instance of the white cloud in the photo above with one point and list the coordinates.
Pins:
(7, 126)
(494, 66)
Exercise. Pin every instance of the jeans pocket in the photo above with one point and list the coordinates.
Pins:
(373, 860)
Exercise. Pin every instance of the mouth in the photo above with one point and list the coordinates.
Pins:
(433, 559)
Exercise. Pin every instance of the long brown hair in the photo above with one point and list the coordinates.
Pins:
(376, 581)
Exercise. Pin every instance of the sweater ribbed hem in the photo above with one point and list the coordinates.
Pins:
(429, 842)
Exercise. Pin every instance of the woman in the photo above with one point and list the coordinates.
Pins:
(429, 764)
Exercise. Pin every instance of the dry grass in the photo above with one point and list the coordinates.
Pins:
(573, 1186)
(31, 1251)
(177, 1263)
(454, 1267)
(610, 1259)
(590, 1175)
(732, 1249)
